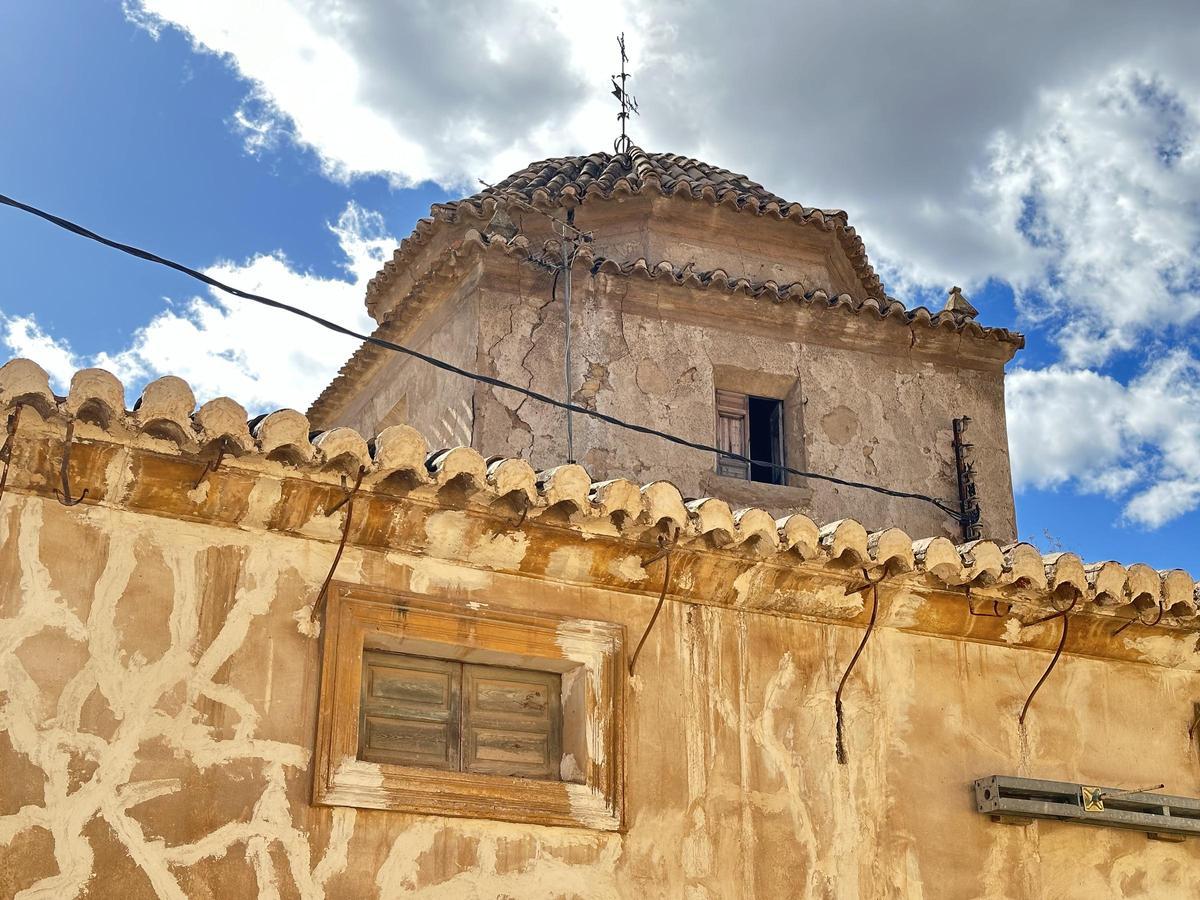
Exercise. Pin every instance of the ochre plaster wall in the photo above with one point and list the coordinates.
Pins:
(158, 687)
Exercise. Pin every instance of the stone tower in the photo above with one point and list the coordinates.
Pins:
(704, 306)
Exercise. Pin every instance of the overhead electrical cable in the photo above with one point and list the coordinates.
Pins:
(146, 255)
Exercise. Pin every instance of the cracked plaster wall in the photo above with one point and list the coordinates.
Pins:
(865, 400)
(157, 712)
(858, 404)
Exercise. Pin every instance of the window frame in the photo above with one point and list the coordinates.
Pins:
(589, 654)
(733, 421)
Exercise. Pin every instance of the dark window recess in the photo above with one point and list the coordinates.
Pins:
(440, 714)
(753, 427)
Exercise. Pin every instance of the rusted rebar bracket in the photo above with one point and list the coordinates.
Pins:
(7, 450)
(212, 465)
(839, 743)
(1062, 642)
(64, 470)
(348, 502)
(665, 554)
(1138, 620)
(994, 614)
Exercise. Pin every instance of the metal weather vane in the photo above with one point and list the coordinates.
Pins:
(629, 106)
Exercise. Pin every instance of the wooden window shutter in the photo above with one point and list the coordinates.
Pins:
(512, 722)
(733, 433)
(410, 711)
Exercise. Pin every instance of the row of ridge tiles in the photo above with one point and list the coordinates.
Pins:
(167, 411)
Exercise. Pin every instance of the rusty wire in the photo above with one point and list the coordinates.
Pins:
(1195, 722)
(1062, 642)
(839, 743)
(664, 554)
(6, 451)
(348, 502)
(64, 470)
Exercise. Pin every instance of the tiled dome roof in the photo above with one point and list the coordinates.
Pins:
(603, 174)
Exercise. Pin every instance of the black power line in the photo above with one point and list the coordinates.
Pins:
(449, 367)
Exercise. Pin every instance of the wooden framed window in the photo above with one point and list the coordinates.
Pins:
(442, 714)
(441, 708)
(750, 427)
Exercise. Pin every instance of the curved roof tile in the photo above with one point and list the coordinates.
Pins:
(702, 525)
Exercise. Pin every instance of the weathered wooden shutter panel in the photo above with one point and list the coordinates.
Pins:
(512, 722)
(733, 433)
(410, 712)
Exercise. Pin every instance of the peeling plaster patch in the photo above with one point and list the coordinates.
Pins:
(828, 602)
(119, 472)
(260, 505)
(903, 611)
(552, 871)
(199, 493)
(1012, 631)
(323, 527)
(569, 769)
(569, 564)
(360, 772)
(743, 585)
(840, 425)
(433, 574)
(500, 551)
(446, 532)
(628, 568)
(305, 623)
(1167, 650)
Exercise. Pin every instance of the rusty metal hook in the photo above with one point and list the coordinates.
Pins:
(64, 470)
(348, 502)
(348, 493)
(7, 450)
(213, 464)
(994, 614)
(1138, 620)
(663, 553)
(1062, 642)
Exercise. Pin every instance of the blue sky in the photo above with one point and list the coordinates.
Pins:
(288, 151)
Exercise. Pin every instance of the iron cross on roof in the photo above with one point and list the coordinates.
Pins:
(629, 104)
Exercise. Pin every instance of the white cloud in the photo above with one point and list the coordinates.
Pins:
(1044, 144)
(24, 337)
(221, 345)
(1051, 146)
(1139, 442)
(1106, 195)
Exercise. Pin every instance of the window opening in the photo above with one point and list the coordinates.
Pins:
(753, 427)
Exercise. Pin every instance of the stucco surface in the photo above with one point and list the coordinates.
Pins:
(158, 696)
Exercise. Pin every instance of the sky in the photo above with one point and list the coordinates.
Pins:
(1044, 156)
